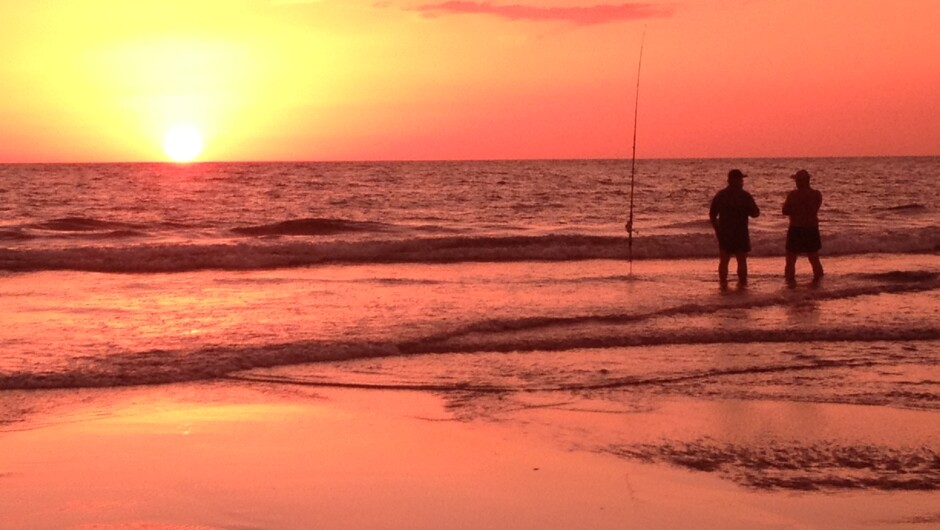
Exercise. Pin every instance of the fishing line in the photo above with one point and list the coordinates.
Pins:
(636, 110)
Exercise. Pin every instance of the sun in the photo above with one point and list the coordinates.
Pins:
(182, 143)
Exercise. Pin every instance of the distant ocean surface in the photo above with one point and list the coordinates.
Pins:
(246, 216)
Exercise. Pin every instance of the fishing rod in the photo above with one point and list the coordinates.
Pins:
(636, 110)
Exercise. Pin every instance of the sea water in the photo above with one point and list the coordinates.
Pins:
(490, 282)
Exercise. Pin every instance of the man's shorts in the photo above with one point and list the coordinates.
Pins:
(734, 242)
(803, 239)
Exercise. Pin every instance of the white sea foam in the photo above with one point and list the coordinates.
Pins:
(268, 254)
(609, 330)
(163, 366)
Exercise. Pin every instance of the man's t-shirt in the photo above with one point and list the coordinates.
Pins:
(802, 205)
(733, 207)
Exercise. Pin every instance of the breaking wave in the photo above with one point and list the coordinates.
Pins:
(312, 227)
(15, 235)
(913, 207)
(266, 253)
(507, 335)
(158, 367)
(80, 224)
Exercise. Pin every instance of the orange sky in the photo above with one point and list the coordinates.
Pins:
(102, 80)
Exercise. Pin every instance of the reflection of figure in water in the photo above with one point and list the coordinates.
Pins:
(729, 215)
(802, 206)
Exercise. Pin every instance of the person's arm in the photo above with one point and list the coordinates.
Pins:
(713, 213)
(755, 211)
(788, 204)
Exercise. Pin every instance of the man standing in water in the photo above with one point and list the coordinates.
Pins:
(729, 213)
(802, 206)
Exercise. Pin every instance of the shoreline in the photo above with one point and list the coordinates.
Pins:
(219, 455)
(703, 420)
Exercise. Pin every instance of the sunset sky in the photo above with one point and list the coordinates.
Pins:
(103, 80)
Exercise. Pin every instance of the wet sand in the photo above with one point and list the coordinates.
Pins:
(235, 455)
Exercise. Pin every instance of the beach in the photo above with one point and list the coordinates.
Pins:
(225, 456)
(436, 264)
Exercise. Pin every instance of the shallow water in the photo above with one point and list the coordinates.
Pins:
(71, 329)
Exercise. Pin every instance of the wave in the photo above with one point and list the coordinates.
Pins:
(15, 235)
(607, 383)
(118, 234)
(577, 333)
(260, 254)
(312, 227)
(264, 253)
(912, 207)
(903, 276)
(701, 224)
(80, 224)
(518, 334)
(158, 367)
(615, 338)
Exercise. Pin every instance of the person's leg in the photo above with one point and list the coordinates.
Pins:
(742, 266)
(789, 270)
(723, 259)
(817, 266)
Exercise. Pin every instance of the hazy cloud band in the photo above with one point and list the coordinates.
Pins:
(598, 14)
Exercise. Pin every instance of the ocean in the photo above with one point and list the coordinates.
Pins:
(139, 218)
(498, 284)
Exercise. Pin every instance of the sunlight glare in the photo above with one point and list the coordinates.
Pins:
(182, 143)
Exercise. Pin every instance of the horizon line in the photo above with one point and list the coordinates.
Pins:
(456, 160)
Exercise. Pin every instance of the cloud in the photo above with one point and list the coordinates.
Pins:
(597, 14)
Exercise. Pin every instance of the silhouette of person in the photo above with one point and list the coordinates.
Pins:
(729, 213)
(802, 206)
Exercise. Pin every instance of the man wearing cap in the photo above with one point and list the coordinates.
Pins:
(802, 206)
(729, 213)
